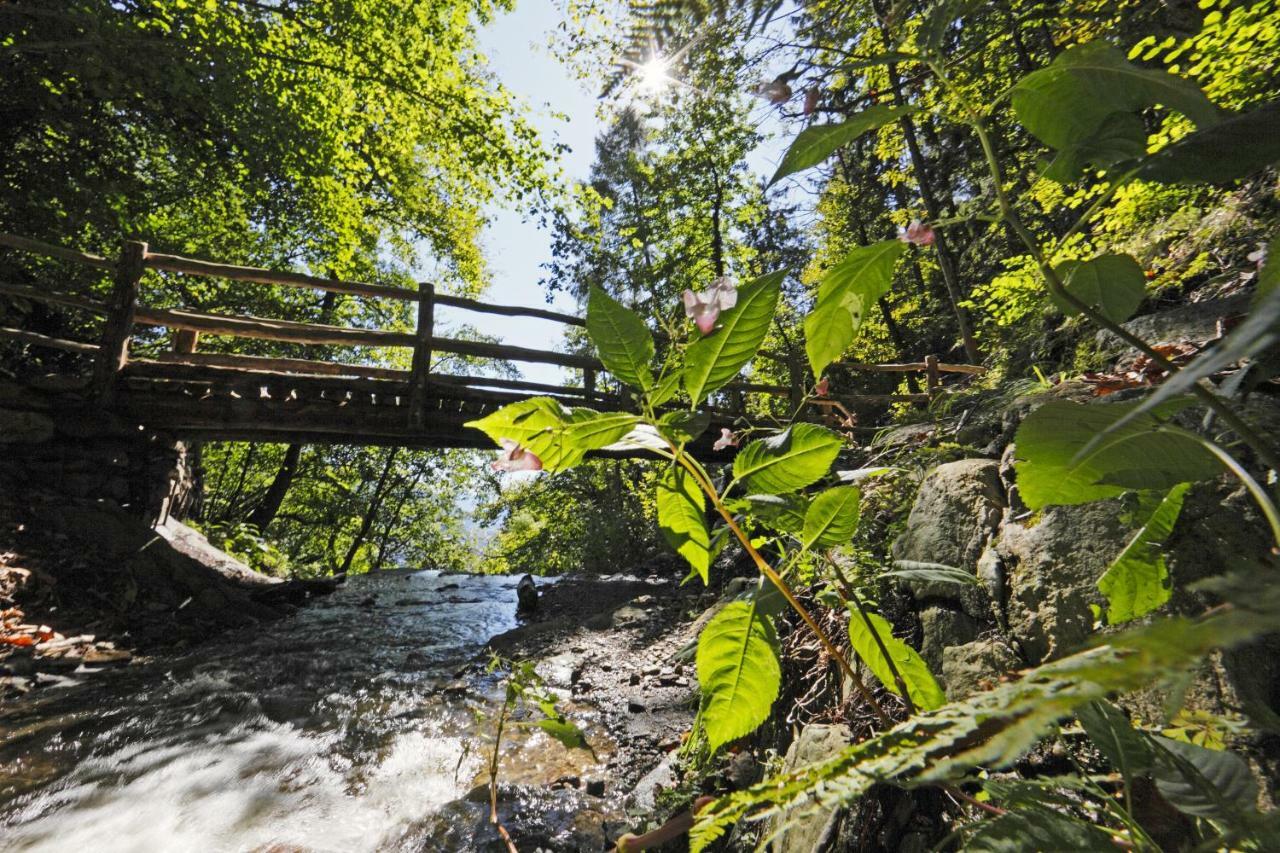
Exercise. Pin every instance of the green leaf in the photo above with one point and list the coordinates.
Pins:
(684, 426)
(1137, 582)
(1068, 102)
(794, 458)
(666, 388)
(715, 359)
(1120, 138)
(1134, 457)
(832, 518)
(817, 143)
(1204, 782)
(1129, 751)
(914, 571)
(558, 435)
(1113, 285)
(1036, 827)
(1234, 149)
(622, 339)
(845, 294)
(784, 513)
(682, 519)
(566, 732)
(738, 671)
(921, 686)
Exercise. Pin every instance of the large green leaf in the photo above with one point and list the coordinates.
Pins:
(1121, 137)
(1204, 782)
(992, 729)
(817, 143)
(923, 689)
(1129, 750)
(1233, 149)
(738, 671)
(712, 361)
(1135, 457)
(1137, 582)
(684, 426)
(1111, 284)
(845, 294)
(1066, 103)
(558, 435)
(784, 513)
(1036, 827)
(682, 518)
(794, 458)
(622, 339)
(832, 518)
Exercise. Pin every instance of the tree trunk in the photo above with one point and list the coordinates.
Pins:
(265, 512)
(371, 513)
(391, 521)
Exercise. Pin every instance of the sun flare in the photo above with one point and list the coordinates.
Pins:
(653, 75)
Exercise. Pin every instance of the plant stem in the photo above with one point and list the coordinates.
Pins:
(852, 595)
(765, 569)
(493, 779)
(1202, 389)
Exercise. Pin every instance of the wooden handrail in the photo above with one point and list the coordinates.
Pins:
(508, 310)
(54, 297)
(38, 340)
(35, 247)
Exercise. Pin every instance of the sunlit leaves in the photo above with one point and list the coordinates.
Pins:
(817, 143)
(845, 295)
(832, 518)
(794, 458)
(1233, 149)
(1067, 103)
(712, 361)
(622, 339)
(1112, 285)
(738, 671)
(1136, 456)
(1137, 582)
(867, 641)
(560, 436)
(682, 518)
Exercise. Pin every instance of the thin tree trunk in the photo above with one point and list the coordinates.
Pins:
(234, 499)
(371, 513)
(391, 521)
(265, 512)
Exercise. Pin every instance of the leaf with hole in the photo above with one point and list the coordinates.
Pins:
(738, 671)
(845, 294)
(622, 339)
(794, 458)
(682, 519)
(1135, 457)
(1137, 581)
(715, 359)
(832, 518)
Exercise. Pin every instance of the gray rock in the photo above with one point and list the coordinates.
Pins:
(940, 628)
(812, 832)
(1052, 568)
(970, 668)
(17, 427)
(1195, 322)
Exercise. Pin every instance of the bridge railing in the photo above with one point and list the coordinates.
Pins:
(124, 312)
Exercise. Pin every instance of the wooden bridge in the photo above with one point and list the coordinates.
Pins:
(197, 395)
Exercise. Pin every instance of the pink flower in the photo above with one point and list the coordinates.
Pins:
(704, 308)
(726, 439)
(1258, 257)
(811, 100)
(917, 233)
(515, 458)
(823, 387)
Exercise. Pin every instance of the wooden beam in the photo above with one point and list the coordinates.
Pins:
(45, 341)
(191, 266)
(36, 247)
(271, 330)
(909, 367)
(508, 310)
(421, 368)
(114, 351)
(52, 297)
(511, 353)
(264, 364)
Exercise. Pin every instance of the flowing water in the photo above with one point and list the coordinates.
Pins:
(335, 729)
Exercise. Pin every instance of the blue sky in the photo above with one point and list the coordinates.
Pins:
(515, 45)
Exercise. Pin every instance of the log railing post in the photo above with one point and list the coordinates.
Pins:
(589, 383)
(114, 352)
(421, 370)
(933, 376)
(185, 341)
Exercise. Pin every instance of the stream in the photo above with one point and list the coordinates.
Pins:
(339, 728)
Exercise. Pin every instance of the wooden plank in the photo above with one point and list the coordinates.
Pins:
(293, 366)
(512, 353)
(243, 326)
(508, 310)
(114, 350)
(36, 247)
(192, 266)
(909, 367)
(421, 368)
(511, 384)
(185, 341)
(45, 341)
(52, 297)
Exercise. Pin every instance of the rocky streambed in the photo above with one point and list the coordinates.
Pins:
(361, 722)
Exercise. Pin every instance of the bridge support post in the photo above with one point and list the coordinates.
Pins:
(114, 352)
(933, 376)
(421, 370)
(589, 384)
